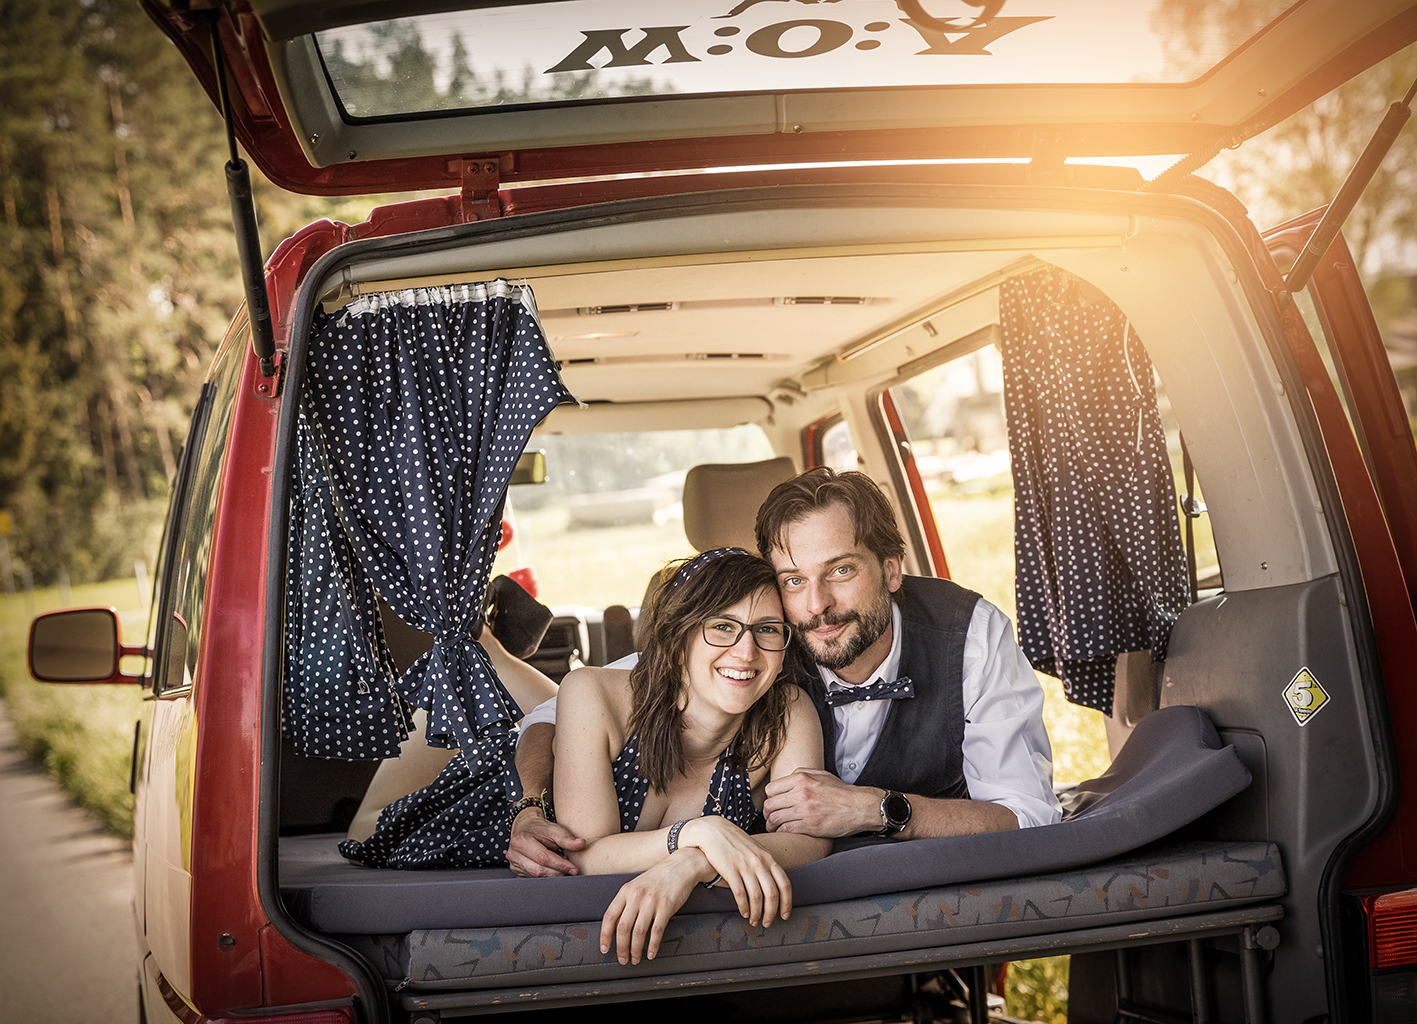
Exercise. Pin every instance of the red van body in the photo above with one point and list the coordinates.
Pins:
(216, 940)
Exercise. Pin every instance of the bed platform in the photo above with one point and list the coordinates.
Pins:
(1107, 877)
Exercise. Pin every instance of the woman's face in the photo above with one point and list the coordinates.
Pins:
(733, 678)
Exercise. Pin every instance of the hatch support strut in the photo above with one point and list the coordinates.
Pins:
(1338, 210)
(243, 216)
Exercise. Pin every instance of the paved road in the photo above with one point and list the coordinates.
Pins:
(67, 947)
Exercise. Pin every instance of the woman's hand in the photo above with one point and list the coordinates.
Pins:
(637, 915)
(759, 883)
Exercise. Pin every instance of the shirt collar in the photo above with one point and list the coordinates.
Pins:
(887, 670)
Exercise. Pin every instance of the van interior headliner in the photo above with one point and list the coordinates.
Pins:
(724, 313)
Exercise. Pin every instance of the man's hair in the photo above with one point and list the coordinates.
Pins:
(657, 682)
(794, 500)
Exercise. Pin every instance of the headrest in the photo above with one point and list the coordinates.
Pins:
(721, 501)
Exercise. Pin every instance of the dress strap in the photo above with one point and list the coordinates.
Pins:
(730, 793)
(630, 787)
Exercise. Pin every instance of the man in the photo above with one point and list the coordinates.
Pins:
(932, 716)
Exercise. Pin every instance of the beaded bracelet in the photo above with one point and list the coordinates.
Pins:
(672, 840)
(524, 803)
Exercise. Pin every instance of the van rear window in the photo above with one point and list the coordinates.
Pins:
(554, 53)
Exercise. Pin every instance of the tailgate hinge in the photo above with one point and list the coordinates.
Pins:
(480, 178)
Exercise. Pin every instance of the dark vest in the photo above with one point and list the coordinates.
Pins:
(921, 746)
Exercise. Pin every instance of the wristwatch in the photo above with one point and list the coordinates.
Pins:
(895, 813)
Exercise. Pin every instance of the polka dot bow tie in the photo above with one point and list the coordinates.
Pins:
(900, 689)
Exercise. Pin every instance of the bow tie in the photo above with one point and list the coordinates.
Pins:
(900, 689)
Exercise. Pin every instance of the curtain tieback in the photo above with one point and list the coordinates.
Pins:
(453, 638)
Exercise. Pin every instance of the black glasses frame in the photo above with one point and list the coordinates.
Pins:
(715, 640)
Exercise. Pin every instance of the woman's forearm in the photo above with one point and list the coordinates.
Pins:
(626, 852)
(792, 851)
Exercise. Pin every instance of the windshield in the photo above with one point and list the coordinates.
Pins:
(610, 513)
(550, 53)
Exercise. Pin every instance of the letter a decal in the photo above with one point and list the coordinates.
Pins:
(973, 38)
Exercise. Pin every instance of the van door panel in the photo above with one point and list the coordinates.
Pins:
(167, 864)
(1234, 655)
(1388, 594)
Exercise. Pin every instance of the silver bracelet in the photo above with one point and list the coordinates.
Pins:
(672, 840)
(712, 881)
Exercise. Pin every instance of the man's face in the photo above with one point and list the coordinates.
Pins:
(836, 592)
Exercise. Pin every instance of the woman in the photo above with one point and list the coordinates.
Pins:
(661, 768)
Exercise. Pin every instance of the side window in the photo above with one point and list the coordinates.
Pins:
(1199, 539)
(154, 615)
(182, 575)
(836, 447)
(954, 416)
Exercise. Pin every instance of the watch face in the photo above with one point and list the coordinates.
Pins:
(897, 809)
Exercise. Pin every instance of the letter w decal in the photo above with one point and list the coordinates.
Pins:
(612, 41)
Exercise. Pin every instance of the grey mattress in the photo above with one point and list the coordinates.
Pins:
(1161, 882)
(1172, 770)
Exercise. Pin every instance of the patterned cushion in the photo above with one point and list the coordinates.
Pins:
(1162, 882)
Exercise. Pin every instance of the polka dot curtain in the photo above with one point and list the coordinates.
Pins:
(418, 404)
(1100, 567)
(339, 699)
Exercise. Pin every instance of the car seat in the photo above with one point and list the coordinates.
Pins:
(721, 502)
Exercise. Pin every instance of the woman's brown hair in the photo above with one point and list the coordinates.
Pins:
(688, 594)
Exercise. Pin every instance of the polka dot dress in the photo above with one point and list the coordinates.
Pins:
(1100, 567)
(417, 405)
(461, 819)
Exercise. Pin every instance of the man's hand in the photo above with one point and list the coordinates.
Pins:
(817, 803)
(536, 846)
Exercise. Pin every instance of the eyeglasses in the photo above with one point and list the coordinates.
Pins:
(721, 631)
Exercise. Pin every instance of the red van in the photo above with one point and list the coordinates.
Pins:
(772, 235)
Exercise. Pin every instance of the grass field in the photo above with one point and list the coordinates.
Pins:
(83, 735)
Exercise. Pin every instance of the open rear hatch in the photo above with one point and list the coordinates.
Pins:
(382, 96)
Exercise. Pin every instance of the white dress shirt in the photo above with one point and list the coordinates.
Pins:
(545, 712)
(1007, 757)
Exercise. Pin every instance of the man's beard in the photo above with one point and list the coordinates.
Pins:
(837, 654)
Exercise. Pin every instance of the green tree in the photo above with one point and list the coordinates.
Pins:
(116, 277)
(1300, 163)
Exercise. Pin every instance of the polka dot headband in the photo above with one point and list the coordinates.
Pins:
(698, 562)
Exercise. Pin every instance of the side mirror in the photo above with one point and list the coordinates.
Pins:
(79, 645)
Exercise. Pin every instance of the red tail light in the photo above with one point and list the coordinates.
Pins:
(1392, 929)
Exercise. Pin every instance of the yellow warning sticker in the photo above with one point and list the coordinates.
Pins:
(1305, 696)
